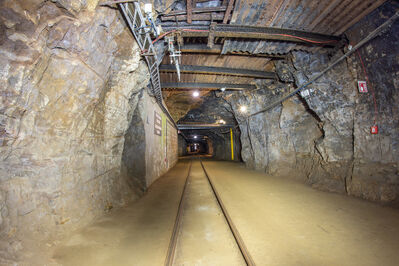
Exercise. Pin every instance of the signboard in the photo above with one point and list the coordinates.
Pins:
(362, 86)
(305, 93)
(374, 129)
(157, 124)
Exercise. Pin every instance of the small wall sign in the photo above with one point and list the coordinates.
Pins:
(362, 85)
(157, 124)
(374, 129)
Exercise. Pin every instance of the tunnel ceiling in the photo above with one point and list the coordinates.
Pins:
(219, 48)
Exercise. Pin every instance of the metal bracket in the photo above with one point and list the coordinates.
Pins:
(211, 35)
(137, 24)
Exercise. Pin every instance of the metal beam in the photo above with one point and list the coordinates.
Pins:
(196, 10)
(189, 11)
(201, 126)
(186, 85)
(228, 11)
(219, 71)
(260, 33)
(198, 17)
(217, 49)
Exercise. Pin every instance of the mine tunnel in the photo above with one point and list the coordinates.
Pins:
(199, 132)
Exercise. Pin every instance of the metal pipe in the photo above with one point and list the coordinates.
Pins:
(371, 36)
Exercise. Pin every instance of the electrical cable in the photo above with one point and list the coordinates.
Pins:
(303, 39)
(369, 37)
(272, 34)
(371, 88)
(169, 32)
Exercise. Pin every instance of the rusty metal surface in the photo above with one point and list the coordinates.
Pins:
(213, 60)
(264, 47)
(330, 17)
(322, 16)
(219, 71)
(256, 32)
(299, 14)
(213, 86)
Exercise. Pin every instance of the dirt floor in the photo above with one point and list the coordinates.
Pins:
(281, 221)
(204, 237)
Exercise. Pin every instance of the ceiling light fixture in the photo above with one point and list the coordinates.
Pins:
(222, 89)
(195, 93)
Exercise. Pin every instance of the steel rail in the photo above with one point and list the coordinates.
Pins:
(176, 227)
(241, 245)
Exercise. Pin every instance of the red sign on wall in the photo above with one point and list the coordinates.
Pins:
(374, 129)
(362, 86)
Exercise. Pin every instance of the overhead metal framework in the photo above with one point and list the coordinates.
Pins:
(206, 86)
(219, 71)
(202, 126)
(260, 33)
(217, 49)
(137, 24)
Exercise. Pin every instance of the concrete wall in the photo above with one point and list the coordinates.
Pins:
(182, 143)
(161, 151)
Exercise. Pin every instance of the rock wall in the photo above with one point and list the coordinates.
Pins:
(73, 101)
(324, 138)
(376, 165)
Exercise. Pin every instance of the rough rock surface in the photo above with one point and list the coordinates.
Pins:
(71, 78)
(324, 138)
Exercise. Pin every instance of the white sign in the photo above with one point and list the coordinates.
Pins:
(305, 93)
(362, 85)
(157, 124)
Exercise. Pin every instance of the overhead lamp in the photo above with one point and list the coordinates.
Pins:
(222, 89)
(195, 93)
(195, 137)
(148, 8)
(243, 109)
(221, 121)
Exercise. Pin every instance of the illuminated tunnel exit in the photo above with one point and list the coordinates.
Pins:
(217, 141)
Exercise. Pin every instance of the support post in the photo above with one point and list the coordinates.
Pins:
(232, 144)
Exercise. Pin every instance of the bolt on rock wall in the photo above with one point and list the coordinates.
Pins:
(325, 139)
(72, 84)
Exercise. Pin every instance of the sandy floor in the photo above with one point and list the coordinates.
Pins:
(136, 235)
(282, 222)
(204, 237)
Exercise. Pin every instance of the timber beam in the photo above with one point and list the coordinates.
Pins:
(259, 33)
(219, 71)
(206, 86)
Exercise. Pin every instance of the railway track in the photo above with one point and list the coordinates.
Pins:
(178, 221)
